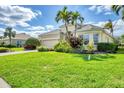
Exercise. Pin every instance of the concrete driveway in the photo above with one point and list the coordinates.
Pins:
(19, 52)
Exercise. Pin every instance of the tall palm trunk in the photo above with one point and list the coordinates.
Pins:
(75, 30)
(67, 32)
(10, 40)
(112, 31)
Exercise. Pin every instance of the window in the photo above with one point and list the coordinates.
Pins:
(17, 42)
(95, 38)
(86, 39)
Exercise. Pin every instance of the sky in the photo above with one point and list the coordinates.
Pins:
(37, 19)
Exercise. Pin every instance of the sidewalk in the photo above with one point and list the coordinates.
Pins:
(19, 52)
(4, 84)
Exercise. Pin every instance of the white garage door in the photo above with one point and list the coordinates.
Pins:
(50, 43)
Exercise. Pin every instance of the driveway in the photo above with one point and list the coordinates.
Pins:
(19, 52)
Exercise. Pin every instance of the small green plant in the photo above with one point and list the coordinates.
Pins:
(90, 48)
(63, 46)
(42, 48)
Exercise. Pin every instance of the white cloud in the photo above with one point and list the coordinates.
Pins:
(39, 12)
(49, 27)
(36, 28)
(93, 7)
(2, 31)
(108, 13)
(17, 15)
(105, 9)
(119, 27)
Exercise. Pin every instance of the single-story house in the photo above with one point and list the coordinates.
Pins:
(18, 40)
(89, 33)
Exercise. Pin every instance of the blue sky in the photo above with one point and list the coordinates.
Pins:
(36, 19)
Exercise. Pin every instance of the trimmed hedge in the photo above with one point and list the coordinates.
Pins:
(42, 48)
(2, 50)
(107, 47)
(10, 46)
(63, 46)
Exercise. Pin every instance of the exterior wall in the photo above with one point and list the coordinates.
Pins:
(1, 41)
(106, 38)
(50, 43)
(70, 28)
(102, 36)
(50, 40)
(53, 38)
(14, 42)
(18, 42)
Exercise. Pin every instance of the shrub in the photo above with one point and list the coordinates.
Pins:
(2, 44)
(2, 49)
(29, 47)
(51, 49)
(63, 46)
(10, 46)
(32, 42)
(90, 48)
(42, 48)
(75, 42)
(107, 47)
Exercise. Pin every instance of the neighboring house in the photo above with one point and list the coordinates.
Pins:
(89, 33)
(18, 40)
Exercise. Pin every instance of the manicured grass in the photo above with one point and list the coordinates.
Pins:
(17, 49)
(120, 51)
(14, 49)
(52, 69)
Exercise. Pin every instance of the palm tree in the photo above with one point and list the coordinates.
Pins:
(119, 10)
(75, 18)
(9, 33)
(64, 16)
(109, 25)
(1, 37)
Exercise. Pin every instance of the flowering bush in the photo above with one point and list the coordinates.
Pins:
(29, 47)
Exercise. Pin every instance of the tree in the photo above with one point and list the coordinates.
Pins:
(1, 37)
(75, 18)
(9, 33)
(119, 10)
(64, 16)
(122, 38)
(32, 42)
(109, 26)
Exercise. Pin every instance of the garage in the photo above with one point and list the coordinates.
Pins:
(50, 43)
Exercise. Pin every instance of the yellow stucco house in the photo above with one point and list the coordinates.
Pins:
(89, 33)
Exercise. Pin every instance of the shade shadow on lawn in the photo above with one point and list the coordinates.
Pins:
(97, 57)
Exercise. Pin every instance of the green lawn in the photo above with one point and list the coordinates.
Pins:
(14, 49)
(52, 69)
(17, 49)
(120, 51)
